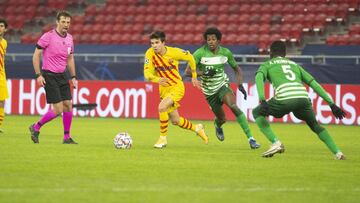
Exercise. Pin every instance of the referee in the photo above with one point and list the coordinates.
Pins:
(56, 49)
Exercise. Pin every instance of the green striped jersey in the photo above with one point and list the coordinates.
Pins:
(206, 59)
(287, 77)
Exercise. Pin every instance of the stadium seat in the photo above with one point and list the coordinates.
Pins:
(135, 39)
(244, 9)
(189, 28)
(265, 19)
(202, 19)
(255, 8)
(199, 29)
(78, 19)
(266, 9)
(107, 28)
(331, 40)
(253, 39)
(76, 29)
(47, 27)
(243, 29)
(179, 28)
(244, 18)
(254, 29)
(234, 9)
(233, 19)
(231, 29)
(140, 18)
(242, 39)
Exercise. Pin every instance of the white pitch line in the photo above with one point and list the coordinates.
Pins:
(169, 189)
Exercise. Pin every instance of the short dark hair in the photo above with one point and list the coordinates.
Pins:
(158, 35)
(212, 31)
(278, 48)
(64, 13)
(2, 20)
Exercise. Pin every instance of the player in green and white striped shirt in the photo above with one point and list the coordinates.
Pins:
(287, 78)
(210, 62)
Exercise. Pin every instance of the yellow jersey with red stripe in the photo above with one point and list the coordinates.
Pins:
(3, 46)
(158, 66)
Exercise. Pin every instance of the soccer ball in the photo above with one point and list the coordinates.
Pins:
(123, 141)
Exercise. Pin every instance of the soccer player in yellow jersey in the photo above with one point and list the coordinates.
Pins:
(3, 87)
(161, 66)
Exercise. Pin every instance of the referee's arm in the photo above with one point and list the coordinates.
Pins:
(36, 60)
(71, 65)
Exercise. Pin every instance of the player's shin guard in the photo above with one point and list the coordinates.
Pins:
(164, 122)
(2, 115)
(186, 124)
(241, 119)
(265, 129)
(67, 119)
(326, 138)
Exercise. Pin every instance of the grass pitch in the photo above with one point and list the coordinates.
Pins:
(186, 171)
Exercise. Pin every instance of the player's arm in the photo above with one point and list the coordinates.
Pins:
(42, 44)
(188, 72)
(71, 67)
(149, 69)
(36, 64)
(149, 72)
(238, 73)
(259, 81)
(187, 56)
(309, 80)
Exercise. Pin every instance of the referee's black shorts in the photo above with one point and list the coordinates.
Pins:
(57, 87)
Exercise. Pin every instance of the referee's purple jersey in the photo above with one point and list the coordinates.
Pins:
(56, 50)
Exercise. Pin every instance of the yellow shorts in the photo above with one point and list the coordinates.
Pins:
(176, 93)
(3, 90)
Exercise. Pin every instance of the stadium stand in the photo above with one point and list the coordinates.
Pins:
(255, 22)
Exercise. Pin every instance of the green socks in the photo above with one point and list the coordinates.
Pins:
(326, 138)
(265, 129)
(241, 119)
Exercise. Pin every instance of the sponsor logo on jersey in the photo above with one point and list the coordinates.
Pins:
(217, 60)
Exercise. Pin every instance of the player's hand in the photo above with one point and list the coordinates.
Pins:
(74, 83)
(209, 72)
(164, 82)
(264, 108)
(196, 83)
(41, 81)
(242, 90)
(337, 111)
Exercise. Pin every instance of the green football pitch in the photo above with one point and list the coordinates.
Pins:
(185, 171)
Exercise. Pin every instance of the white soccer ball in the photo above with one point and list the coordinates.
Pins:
(123, 141)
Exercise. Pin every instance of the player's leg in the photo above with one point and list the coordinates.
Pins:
(230, 101)
(3, 95)
(67, 109)
(53, 97)
(306, 113)
(164, 122)
(2, 113)
(67, 120)
(184, 123)
(216, 107)
(276, 109)
(219, 121)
